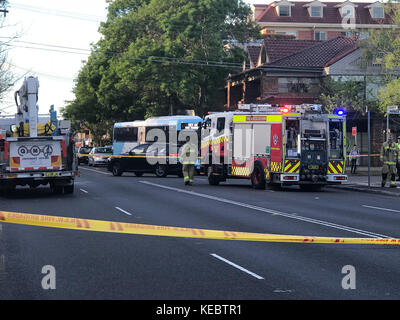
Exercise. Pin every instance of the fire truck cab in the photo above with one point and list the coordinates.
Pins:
(290, 145)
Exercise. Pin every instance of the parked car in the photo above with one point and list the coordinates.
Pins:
(99, 156)
(82, 151)
(147, 158)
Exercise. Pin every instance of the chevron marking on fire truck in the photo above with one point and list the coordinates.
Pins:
(292, 166)
(335, 167)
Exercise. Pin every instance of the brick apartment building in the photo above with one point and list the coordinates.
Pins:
(317, 20)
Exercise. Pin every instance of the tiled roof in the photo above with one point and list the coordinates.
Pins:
(279, 48)
(254, 52)
(331, 14)
(321, 54)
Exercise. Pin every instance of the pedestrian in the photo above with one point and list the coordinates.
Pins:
(188, 157)
(354, 159)
(390, 154)
(398, 161)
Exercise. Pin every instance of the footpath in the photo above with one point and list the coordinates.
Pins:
(359, 182)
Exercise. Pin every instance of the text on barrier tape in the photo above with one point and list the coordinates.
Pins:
(167, 231)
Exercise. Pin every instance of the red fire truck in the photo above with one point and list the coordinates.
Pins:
(290, 145)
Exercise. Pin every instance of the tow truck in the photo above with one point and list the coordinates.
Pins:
(36, 149)
(275, 145)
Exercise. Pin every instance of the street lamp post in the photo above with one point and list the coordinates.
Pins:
(369, 148)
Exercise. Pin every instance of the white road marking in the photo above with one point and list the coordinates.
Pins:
(84, 191)
(122, 210)
(237, 266)
(378, 208)
(98, 171)
(273, 212)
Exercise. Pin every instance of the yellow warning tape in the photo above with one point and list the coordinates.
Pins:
(168, 231)
(125, 156)
(363, 155)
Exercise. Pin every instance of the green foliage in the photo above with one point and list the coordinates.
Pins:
(384, 46)
(157, 57)
(348, 94)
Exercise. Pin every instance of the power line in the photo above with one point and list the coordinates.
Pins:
(44, 49)
(41, 73)
(60, 13)
(46, 45)
(207, 62)
(156, 59)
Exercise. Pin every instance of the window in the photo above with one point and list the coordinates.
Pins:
(378, 13)
(105, 150)
(316, 11)
(284, 11)
(126, 134)
(207, 124)
(140, 149)
(346, 33)
(320, 35)
(289, 33)
(220, 124)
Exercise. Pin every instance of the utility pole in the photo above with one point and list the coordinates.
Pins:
(369, 148)
(4, 10)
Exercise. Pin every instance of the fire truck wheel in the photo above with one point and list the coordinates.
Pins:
(69, 189)
(212, 180)
(57, 189)
(258, 177)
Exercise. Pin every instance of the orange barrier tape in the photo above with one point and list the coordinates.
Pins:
(169, 231)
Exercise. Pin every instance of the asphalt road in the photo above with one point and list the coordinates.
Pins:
(96, 265)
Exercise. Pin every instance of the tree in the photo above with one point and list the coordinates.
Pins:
(348, 94)
(158, 57)
(383, 46)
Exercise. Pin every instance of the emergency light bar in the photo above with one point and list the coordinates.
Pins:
(256, 107)
(280, 108)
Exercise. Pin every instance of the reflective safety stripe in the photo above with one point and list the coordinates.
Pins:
(292, 166)
(276, 166)
(240, 171)
(335, 167)
(391, 163)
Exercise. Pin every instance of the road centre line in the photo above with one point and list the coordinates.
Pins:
(237, 266)
(274, 212)
(378, 208)
(122, 210)
(84, 191)
(98, 171)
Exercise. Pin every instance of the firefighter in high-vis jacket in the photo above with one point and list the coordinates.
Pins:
(398, 160)
(188, 157)
(390, 154)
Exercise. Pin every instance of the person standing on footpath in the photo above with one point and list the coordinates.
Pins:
(390, 154)
(354, 159)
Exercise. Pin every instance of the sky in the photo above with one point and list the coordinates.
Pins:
(46, 29)
(57, 26)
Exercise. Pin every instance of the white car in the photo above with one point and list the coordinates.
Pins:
(99, 156)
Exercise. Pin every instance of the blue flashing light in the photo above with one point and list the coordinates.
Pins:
(340, 112)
